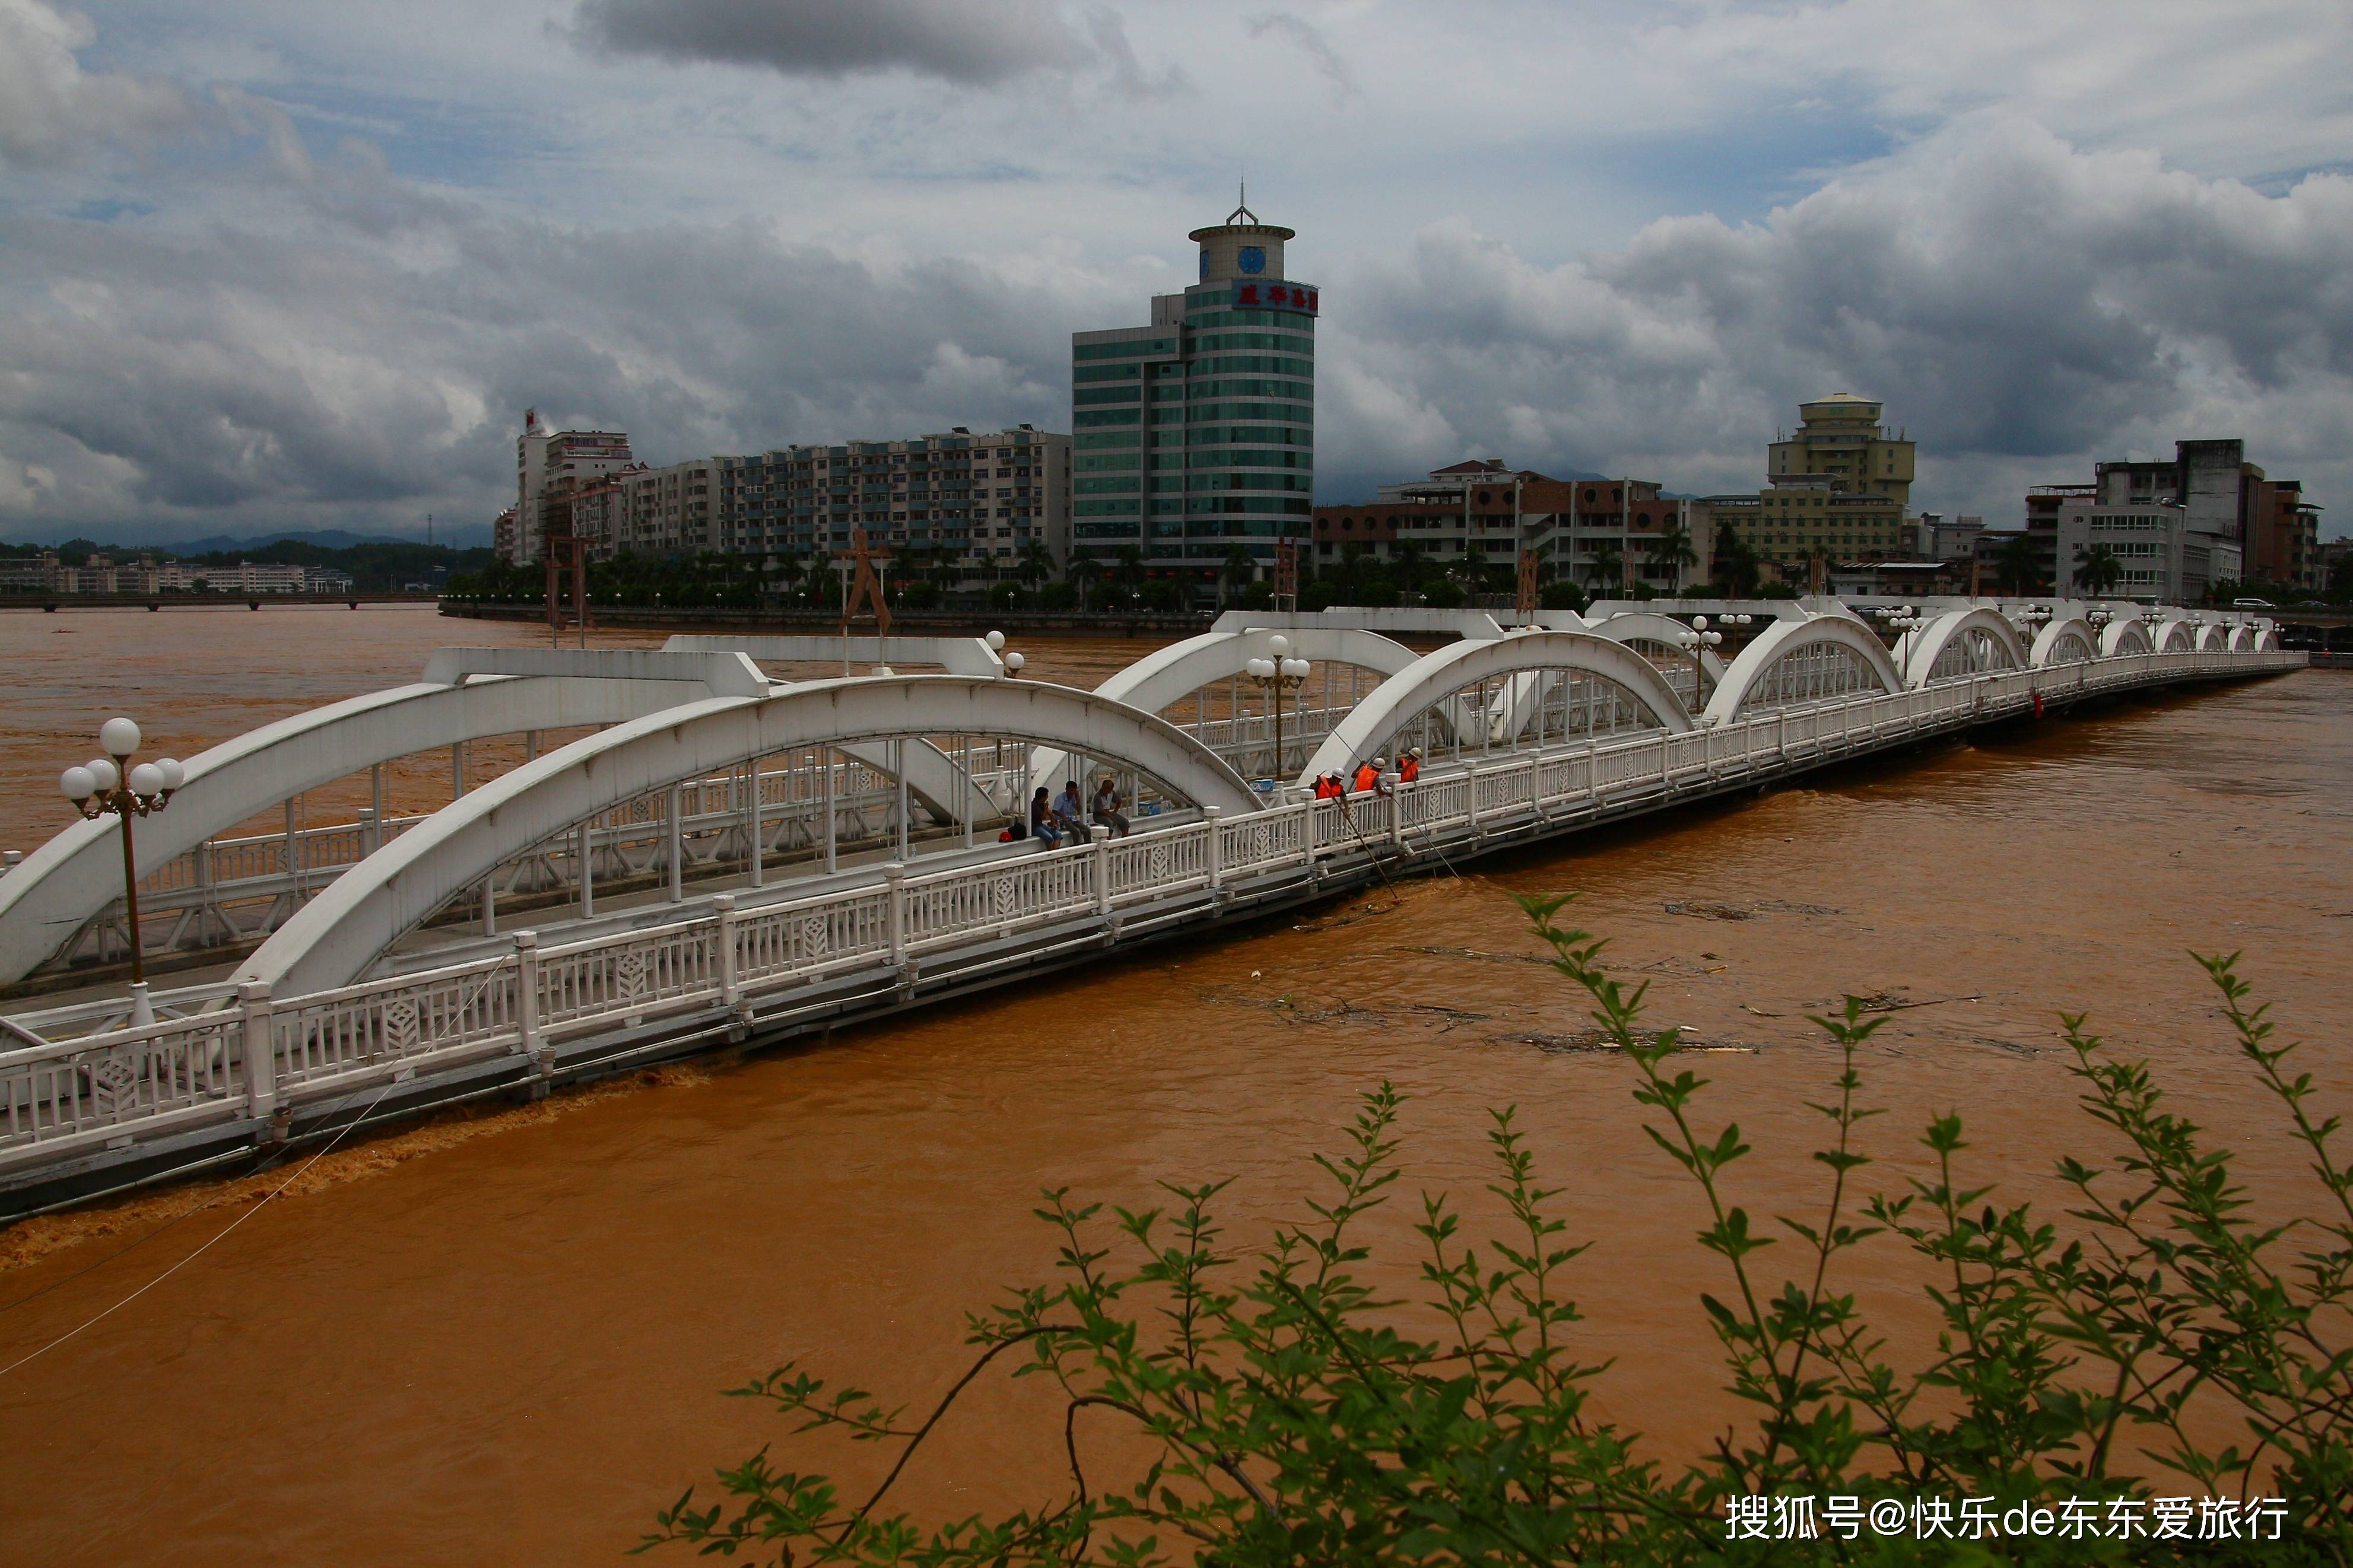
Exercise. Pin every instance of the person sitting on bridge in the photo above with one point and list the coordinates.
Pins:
(1042, 821)
(1071, 812)
(1107, 808)
(1409, 766)
(1368, 775)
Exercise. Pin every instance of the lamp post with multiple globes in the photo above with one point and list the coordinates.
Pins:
(1276, 676)
(1693, 641)
(110, 783)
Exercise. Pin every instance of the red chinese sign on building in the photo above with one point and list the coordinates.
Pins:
(1276, 296)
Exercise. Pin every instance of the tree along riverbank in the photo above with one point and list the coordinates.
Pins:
(925, 623)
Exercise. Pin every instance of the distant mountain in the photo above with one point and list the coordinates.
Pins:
(459, 537)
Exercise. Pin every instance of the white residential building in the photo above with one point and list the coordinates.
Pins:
(2164, 555)
(549, 461)
(977, 501)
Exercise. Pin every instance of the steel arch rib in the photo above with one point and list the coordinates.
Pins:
(1782, 638)
(2120, 631)
(2047, 640)
(1167, 674)
(1940, 633)
(333, 940)
(78, 873)
(1626, 626)
(1436, 676)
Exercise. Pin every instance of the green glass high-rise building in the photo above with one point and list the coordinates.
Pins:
(1195, 436)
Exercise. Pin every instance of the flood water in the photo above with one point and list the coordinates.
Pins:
(501, 1338)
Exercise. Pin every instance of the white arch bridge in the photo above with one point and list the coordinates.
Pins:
(690, 848)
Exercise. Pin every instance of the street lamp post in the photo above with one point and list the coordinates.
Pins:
(111, 784)
(1274, 676)
(1902, 620)
(1694, 641)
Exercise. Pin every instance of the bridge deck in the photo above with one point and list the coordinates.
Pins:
(89, 1104)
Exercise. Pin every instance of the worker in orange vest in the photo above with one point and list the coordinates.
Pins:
(1327, 785)
(1409, 766)
(1368, 775)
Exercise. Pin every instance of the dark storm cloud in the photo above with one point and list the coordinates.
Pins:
(974, 42)
(2014, 301)
(254, 380)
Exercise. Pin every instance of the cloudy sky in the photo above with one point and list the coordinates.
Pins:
(276, 263)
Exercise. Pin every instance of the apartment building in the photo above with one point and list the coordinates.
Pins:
(1602, 533)
(554, 462)
(1836, 491)
(974, 504)
(2162, 554)
(1840, 440)
(103, 574)
(1194, 435)
(2283, 539)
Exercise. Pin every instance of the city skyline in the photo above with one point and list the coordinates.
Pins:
(270, 269)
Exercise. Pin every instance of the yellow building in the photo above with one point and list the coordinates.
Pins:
(1835, 491)
(1840, 439)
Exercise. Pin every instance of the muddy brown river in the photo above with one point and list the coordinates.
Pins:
(500, 1338)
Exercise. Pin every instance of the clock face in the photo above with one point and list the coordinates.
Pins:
(1251, 258)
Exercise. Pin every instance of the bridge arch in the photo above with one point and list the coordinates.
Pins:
(1645, 630)
(2124, 635)
(2243, 638)
(2267, 639)
(1434, 678)
(1173, 673)
(2176, 635)
(1813, 660)
(1964, 642)
(2070, 641)
(333, 939)
(61, 886)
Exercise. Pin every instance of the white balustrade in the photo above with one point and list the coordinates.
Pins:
(96, 1081)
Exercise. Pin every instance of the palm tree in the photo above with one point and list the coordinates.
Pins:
(1239, 568)
(1608, 565)
(2097, 570)
(1474, 574)
(1736, 567)
(1823, 556)
(1035, 564)
(1131, 567)
(1085, 569)
(2016, 569)
(1671, 547)
(1411, 567)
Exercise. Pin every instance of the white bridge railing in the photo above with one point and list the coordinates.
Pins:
(91, 1083)
(232, 890)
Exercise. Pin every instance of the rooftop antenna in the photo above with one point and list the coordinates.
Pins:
(1241, 203)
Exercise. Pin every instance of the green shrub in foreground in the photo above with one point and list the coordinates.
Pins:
(1298, 1417)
